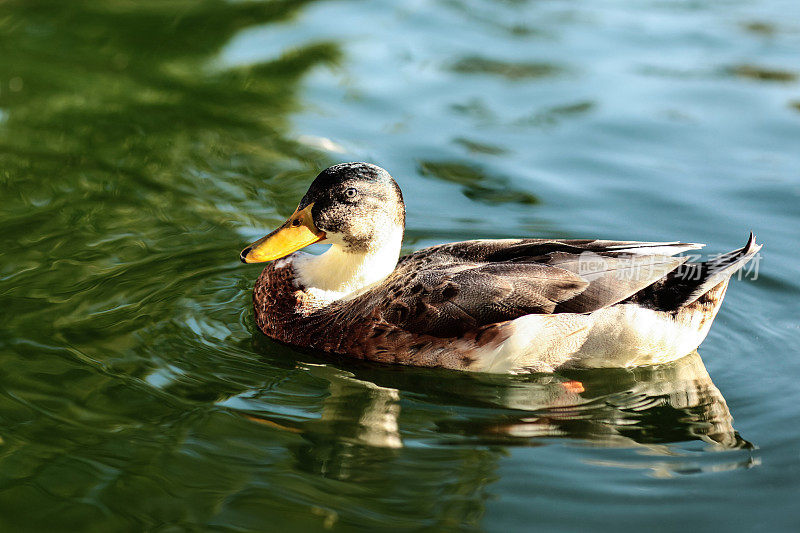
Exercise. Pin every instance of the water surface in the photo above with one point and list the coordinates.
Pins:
(143, 144)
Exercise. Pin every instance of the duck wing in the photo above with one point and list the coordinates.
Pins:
(449, 300)
(451, 289)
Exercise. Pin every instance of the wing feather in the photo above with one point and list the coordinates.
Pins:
(453, 288)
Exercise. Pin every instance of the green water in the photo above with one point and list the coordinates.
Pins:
(144, 143)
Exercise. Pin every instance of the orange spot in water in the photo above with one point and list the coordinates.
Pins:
(573, 386)
(272, 424)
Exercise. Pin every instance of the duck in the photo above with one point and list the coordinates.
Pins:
(523, 305)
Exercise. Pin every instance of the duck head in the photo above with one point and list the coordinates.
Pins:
(357, 208)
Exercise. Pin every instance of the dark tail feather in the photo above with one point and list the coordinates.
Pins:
(711, 273)
(690, 281)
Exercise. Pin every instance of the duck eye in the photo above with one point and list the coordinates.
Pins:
(295, 222)
(350, 192)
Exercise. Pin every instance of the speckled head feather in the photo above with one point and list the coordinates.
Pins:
(358, 204)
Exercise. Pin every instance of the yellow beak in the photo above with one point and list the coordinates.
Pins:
(297, 232)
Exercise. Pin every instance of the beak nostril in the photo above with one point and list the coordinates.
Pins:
(244, 253)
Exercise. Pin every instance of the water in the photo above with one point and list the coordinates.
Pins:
(143, 144)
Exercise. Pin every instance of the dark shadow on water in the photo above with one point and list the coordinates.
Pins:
(477, 184)
(510, 70)
(761, 73)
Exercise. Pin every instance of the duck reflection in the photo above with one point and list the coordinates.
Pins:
(357, 431)
(652, 408)
(614, 407)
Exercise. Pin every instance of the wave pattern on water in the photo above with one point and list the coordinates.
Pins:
(143, 143)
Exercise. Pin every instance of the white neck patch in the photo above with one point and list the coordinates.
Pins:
(337, 273)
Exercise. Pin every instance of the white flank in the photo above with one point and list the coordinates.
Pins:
(618, 336)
